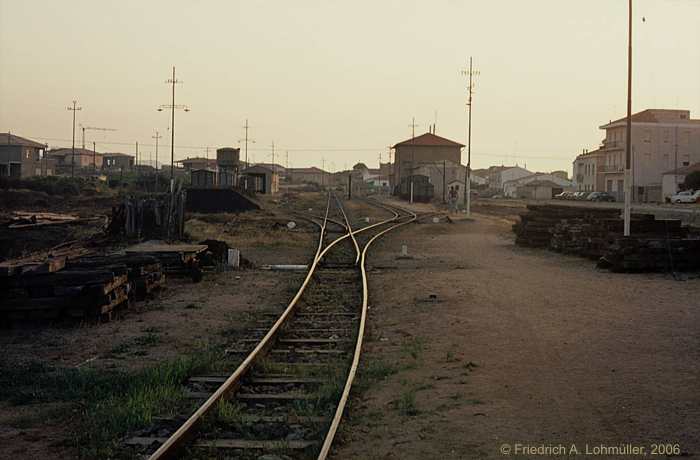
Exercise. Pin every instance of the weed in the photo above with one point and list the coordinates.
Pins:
(109, 403)
(414, 347)
(120, 349)
(406, 404)
(149, 339)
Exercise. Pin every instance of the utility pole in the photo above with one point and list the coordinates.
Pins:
(94, 156)
(273, 156)
(467, 178)
(137, 158)
(173, 81)
(246, 142)
(323, 171)
(72, 161)
(628, 143)
(156, 137)
(413, 135)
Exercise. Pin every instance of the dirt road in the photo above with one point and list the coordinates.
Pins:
(477, 343)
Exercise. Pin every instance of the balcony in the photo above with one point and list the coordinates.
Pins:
(612, 145)
(611, 169)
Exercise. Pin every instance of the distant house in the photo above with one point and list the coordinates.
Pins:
(20, 157)
(277, 168)
(117, 161)
(198, 163)
(83, 158)
(539, 190)
(671, 180)
(427, 148)
(511, 188)
(260, 179)
(499, 175)
(312, 175)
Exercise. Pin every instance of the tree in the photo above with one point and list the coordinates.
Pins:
(692, 181)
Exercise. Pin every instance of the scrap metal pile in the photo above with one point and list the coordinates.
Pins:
(597, 233)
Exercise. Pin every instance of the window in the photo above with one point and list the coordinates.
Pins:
(666, 133)
(647, 135)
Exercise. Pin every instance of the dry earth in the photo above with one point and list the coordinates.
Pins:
(476, 343)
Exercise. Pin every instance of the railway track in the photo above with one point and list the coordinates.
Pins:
(288, 395)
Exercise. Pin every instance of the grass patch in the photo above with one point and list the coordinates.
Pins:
(406, 404)
(147, 340)
(413, 347)
(109, 403)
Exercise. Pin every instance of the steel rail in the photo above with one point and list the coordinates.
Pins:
(349, 228)
(330, 435)
(175, 442)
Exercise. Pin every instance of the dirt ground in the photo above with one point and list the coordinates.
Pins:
(476, 344)
(473, 343)
(181, 319)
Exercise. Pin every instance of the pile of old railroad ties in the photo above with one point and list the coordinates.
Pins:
(656, 245)
(81, 284)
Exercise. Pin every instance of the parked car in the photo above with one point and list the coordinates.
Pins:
(600, 196)
(580, 195)
(686, 196)
(564, 196)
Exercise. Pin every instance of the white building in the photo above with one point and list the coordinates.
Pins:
(662, 140)
(499, 175)
(510, 188)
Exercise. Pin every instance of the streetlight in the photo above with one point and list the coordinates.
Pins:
(628, 146)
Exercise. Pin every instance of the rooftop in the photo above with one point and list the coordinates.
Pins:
(69, 151)
(655, 116)
(11, 139)
(429, 140)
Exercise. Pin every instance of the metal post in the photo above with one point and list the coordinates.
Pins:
(94, 156)
(172, 139)
(628, 147)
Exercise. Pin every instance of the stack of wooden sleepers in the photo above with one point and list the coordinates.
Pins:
(87, 287)
(52, 291)
(597, 233)
(145, 273)
(592, 237)
(640, 254)
(176, 259)
(536, 224)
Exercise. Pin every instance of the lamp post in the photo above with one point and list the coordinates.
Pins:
(628, 142)
(172, 81)
(72, 161)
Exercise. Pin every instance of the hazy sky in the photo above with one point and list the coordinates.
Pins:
(342, 79)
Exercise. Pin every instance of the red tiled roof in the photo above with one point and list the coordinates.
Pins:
(11, 139)
(431, 140)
